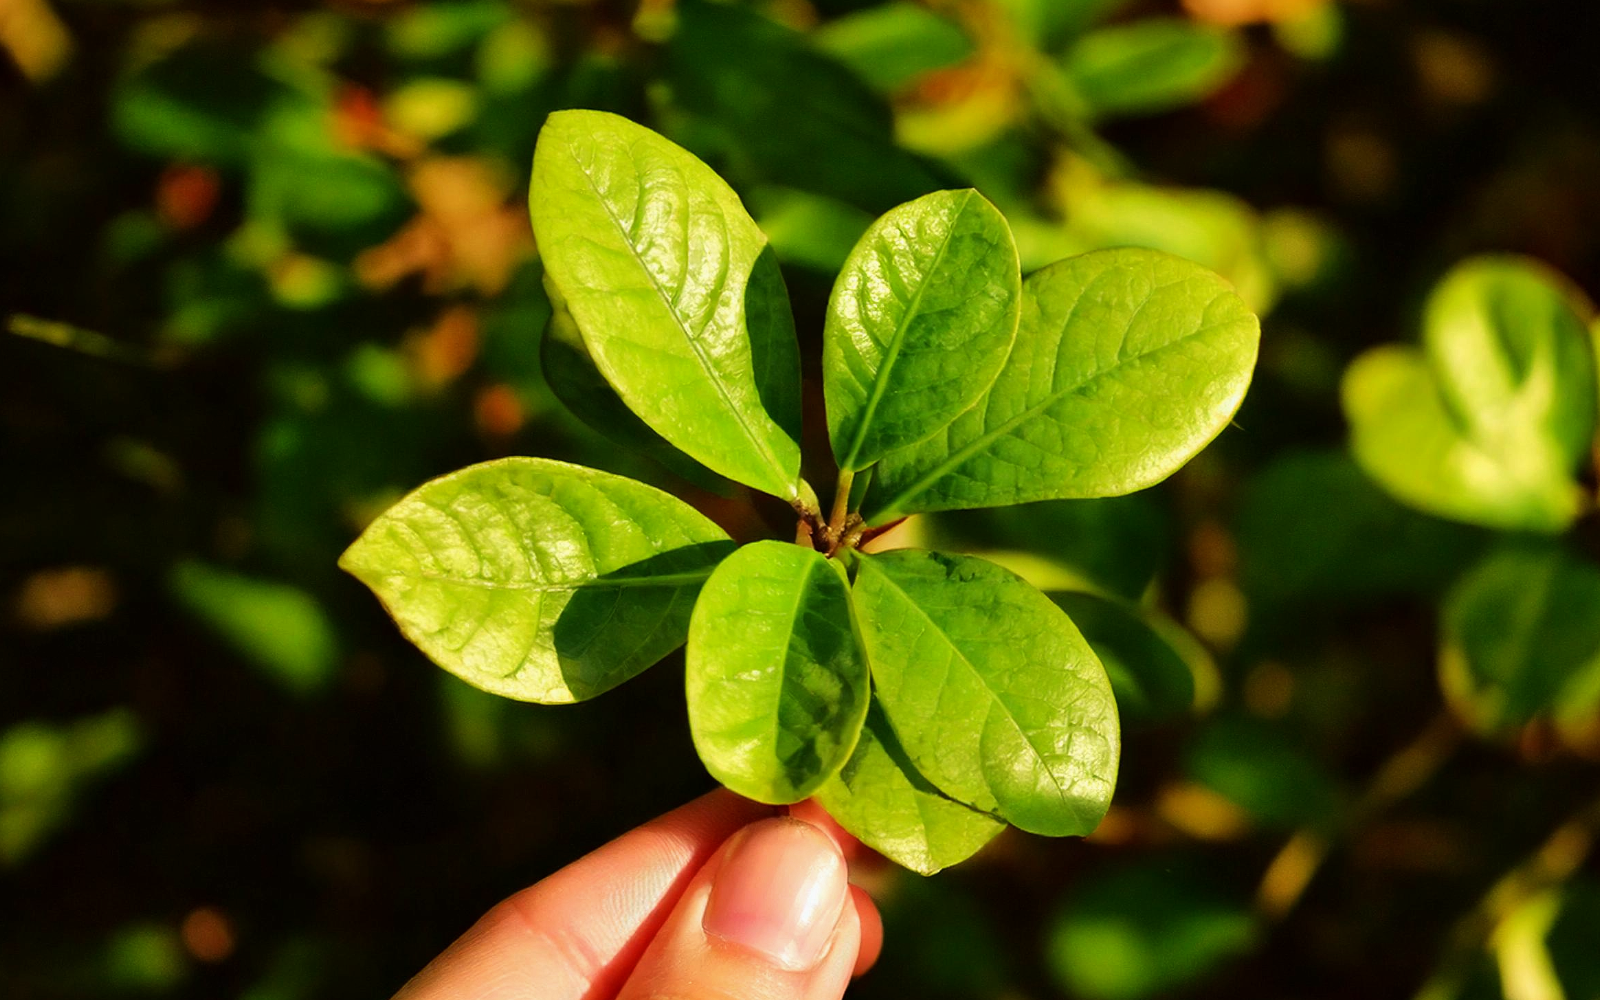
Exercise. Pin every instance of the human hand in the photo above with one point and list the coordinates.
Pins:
(721, 899)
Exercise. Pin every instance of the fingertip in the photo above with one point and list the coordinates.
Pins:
(871, 923)
(811, 811)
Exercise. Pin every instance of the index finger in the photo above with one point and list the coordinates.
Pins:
(577, 934)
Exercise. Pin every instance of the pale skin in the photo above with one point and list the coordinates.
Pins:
(720, 899)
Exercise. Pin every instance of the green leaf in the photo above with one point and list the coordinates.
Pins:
(570, 372)
(881, 798)
(1521, 637)
(1366, 546)
(1047, 23)
(197, 103)
(892, 45)
(738, 74)
(1150, 679)
(920, 320)
(45, 767)
(1137, 932)
(1215, 230)
(777, 679)
(1570, 942)
(809, 230)
(277, 627)
(1489, 422)
(1510, 351)
(1118, 544)
(991, 689)
(1126, 363)
(539, 580)
(675, 292)
(1405, 437)
(1259, 768)
(1152, 65)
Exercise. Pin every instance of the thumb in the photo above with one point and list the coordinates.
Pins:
(769, 917)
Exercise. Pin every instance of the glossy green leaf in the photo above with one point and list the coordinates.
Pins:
(675, 292)
(777, 679)
(994, 694)
(920, 321)
(1521, 636)
(1126, 363)
(893, 44)
(881, 799)
(539, 580)
(570, 372)
(1143, 931)
(1151, 65)
(1150, 679)
(1489, 422)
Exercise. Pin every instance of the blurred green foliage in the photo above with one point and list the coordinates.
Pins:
(266, 268)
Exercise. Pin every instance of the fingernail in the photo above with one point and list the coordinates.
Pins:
(779, 893)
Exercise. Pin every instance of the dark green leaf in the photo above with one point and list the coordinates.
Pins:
(1126, 363)
(1117, 544)
(1521, 637)
(1571, 939)
(1150, 679)
(737, 71)
(539, 580)
(919, 323)
(196, 103)
(1261, 770)
(994, 694)
(675, 292)
(1365, 545)
(777, 679)
(881, 798)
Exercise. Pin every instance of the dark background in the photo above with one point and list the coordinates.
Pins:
(265, 273)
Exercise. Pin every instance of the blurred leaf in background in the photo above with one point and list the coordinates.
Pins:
(1141, 931)
(45, 768)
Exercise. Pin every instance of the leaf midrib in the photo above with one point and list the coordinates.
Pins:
(982, 680)
(983, 440)
(881, 381)
(591, 583)
(758, 441)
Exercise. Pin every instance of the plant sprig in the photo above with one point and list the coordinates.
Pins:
(926, 699)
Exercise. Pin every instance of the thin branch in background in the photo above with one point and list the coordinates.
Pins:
(95, 345)
(1550, 865)
(1407, 770)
